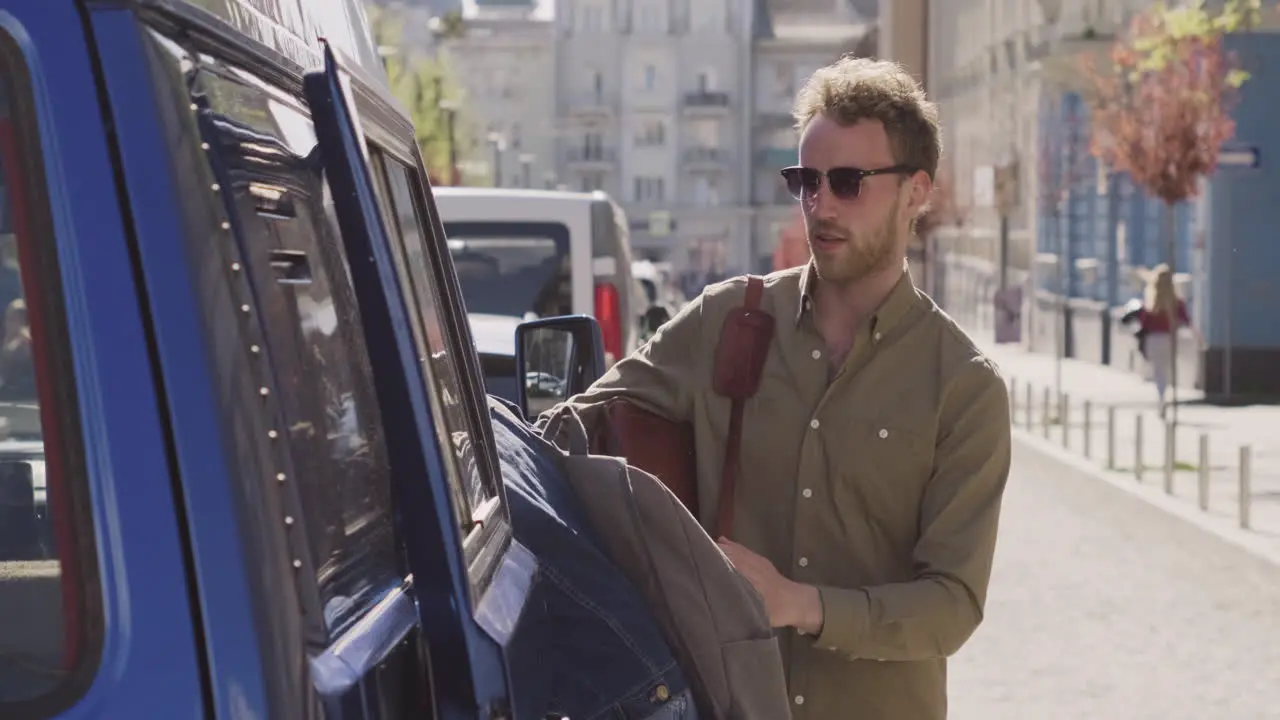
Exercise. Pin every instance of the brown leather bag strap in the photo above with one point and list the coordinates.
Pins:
(733, 443)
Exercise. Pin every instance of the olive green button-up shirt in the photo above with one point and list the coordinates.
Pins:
(880, 483)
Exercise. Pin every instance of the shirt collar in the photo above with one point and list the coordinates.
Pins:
(901, 298)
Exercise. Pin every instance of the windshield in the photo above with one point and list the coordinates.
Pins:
(515, 269)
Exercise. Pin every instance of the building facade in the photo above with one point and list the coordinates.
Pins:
(904, 35)
(679, 109)
(1017, 172)
(1006, 74)
(798, 39)
(505, 62)
(654, 108)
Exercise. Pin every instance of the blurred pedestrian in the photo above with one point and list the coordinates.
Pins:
(1163, 313)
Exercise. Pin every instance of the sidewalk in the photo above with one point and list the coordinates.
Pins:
(1227, 429)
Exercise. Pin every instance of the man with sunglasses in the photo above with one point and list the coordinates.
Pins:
(876, 450)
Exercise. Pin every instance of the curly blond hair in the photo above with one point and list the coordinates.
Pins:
(858, 88)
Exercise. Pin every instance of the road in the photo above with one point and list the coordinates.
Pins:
(1102, 606)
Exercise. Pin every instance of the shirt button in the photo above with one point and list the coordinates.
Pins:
(804, 562)
(883, 433)
(876, 337)
(799, 699)
(806, 492)
(814, 424)
(817, 354)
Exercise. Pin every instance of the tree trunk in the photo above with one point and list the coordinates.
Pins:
(1171, 249)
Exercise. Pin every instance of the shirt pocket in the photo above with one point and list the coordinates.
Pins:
(894, 450)
(884, 469)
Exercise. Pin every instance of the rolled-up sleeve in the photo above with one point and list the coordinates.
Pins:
(932, 615)
(662, 376)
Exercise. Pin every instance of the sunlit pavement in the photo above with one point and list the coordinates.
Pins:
(1103, 606)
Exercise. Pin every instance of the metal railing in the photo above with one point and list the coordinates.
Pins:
(1221, 476)
(706, 99)
(591, 155)
(706, 155)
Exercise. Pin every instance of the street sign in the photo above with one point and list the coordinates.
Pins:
(1239, 156)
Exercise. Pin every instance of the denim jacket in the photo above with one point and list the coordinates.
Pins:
(587, 645)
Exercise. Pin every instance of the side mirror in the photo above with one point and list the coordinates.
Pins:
(655, 317)
(557, 358)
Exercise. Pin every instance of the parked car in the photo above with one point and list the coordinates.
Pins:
(247, 466)
(529, 254)
(495, 341)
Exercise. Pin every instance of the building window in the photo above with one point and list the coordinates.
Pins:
(651, 133)
(592, 18)
(592, 146)
(649, 16)
(648, 189)
(592, 181)
(783, 138)
(706, 81)
(705, 133)
(706, 191)
(785, 80)
(707, 15)
(650, 77)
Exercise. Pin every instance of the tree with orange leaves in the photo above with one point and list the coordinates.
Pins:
(1161, 108)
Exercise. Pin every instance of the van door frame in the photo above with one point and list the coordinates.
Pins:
(481, 684)
(138, 538)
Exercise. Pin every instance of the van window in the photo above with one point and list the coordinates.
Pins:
(282, 215)
(512, 268)
(470, 479)
(50, 610)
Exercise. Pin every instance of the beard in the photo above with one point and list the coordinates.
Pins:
(859, 256)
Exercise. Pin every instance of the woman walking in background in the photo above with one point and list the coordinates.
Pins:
(1163, 313)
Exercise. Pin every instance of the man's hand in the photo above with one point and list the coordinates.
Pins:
(789, 603)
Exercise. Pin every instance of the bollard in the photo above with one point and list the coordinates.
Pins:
(1202, 491)
(1246, 484)
(1013, 400)
(1170, 455)
(1044, 421)
(1137, 447)
(1064, 417)
(1030, 415)
(1111, 437)
(1088, 429)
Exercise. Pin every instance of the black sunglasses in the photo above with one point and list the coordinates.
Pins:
(845, 182)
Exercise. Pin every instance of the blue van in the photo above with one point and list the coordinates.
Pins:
(246, 467)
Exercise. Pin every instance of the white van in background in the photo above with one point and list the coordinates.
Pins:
(521, 254)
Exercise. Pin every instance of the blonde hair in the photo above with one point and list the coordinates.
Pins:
(1161, 296)
(857, 88)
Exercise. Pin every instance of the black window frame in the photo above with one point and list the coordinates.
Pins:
(490, 532)
(464, 510)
